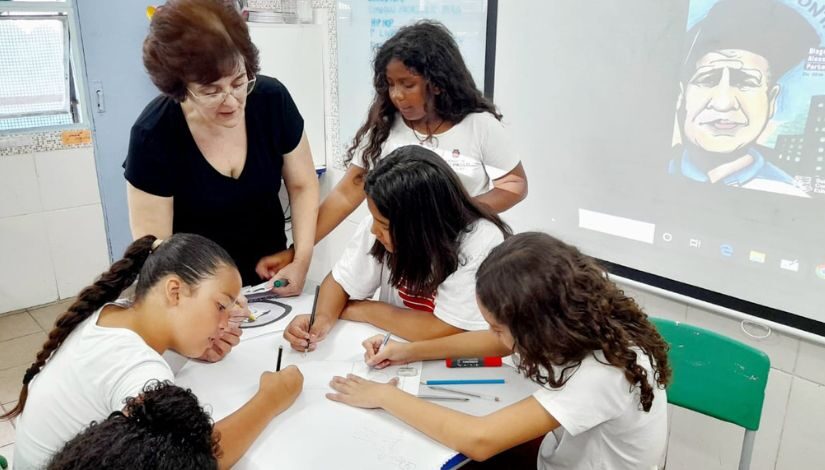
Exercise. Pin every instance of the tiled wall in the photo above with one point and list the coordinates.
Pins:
(52, 235)
(791, 432)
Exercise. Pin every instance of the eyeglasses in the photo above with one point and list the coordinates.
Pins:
(213, 100)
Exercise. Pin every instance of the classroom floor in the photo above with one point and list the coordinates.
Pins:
(21, 335)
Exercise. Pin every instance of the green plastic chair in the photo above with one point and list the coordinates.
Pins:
(717, 376)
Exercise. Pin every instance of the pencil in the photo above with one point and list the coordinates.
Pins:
(461, 392)
(465, 382)
(312, 315)
(441, 397)
(280, 354)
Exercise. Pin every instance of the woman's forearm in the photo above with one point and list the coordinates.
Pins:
(304, 216)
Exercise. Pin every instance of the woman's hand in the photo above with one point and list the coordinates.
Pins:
(362, 393)
(268, 266)
(299, 335)
(283, 265)
(392, 354)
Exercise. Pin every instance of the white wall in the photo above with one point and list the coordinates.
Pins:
(52, 236)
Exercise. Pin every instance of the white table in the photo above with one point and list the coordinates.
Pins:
(316, 433)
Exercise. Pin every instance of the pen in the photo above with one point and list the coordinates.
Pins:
(281, 283)
(465, 382)
(385, 341)
(439, 397)
(312, 315)
(469, 394)
(280, 354)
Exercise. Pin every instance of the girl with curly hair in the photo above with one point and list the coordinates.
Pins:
(163, 427)
(102, 351)
(601, 365)
(425, 95)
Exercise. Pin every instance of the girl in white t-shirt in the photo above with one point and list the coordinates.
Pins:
(101, 352)
(425, 95)
(421, 247)
(601, 364)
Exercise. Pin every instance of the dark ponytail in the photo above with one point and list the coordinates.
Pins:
(191, 257)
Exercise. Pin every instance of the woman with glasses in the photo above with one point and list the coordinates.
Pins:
(208, 155)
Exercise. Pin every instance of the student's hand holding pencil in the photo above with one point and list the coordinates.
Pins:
(299, 335)
(282, 387)
(391, 354)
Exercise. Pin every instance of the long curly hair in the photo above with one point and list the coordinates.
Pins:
(189, 256)
(428, 49)
(163, 427)
(560, 306)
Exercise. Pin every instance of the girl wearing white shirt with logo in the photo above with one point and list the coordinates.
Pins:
(425, 95)
(421, 246)
(601, 364)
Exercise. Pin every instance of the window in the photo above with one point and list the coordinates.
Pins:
(37, 64)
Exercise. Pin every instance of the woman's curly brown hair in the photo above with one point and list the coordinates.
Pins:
(560, 306)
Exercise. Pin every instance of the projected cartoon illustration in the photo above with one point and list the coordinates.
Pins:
(751, 107)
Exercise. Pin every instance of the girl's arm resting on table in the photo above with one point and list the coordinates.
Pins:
(347, 195)
(409, 324)
(479, 438)
(276, 392)
(467, 344)
(149, 214)
(507, 191)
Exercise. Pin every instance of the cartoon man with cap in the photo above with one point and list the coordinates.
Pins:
(729, 90)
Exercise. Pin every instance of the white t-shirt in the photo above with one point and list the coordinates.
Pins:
(602, 424)
(454, 302)
(478, 149)
(89, 377)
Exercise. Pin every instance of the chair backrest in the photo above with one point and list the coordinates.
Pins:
(715, 375)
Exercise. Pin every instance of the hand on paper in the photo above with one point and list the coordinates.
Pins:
(302, 340)
(394, 353)
(284, 386)
(296, 273)
(362, 393)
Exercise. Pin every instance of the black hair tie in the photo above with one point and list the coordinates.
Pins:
(30, 373)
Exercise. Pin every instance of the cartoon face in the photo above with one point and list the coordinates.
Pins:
(728, 100)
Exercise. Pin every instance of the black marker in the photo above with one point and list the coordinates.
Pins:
(280, 353)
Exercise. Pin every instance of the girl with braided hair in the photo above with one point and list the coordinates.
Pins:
(601, 365)
(101, 352)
